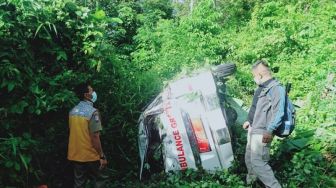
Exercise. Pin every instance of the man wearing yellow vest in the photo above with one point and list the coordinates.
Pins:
(84, 148)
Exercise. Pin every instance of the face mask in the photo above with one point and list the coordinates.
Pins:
(94, 97)
(257, 81)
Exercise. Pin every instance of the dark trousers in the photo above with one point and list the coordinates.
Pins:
(87, 170)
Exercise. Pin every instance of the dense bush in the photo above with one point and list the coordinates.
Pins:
(129, 50)
(47, 47)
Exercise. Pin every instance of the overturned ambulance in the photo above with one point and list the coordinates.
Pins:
(187, 126)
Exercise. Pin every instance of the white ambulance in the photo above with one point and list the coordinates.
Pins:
(186, 126)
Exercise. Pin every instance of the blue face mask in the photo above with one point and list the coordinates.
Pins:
(257, 81)
(94, 97)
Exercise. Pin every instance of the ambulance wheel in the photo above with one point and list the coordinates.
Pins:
(224, 70)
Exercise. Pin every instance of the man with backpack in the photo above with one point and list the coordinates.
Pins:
(265, 117)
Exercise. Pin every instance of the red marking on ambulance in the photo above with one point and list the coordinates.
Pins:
(177, 136)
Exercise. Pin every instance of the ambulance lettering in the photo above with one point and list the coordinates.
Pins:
(177, 137)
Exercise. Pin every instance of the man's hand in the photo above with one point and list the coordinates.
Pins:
(103, 163)
(267, 137)
(246, 125)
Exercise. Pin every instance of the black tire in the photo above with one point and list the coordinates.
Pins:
(225, 70)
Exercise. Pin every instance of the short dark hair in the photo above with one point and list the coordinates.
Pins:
(81, 89)
(262, 62)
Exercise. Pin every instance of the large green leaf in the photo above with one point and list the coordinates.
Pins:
(99, 14)
(18, 107)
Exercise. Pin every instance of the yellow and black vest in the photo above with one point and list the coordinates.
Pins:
(80, 147)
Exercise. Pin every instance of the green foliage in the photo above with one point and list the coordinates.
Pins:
(191, 40)
(129, 49)
(292, 37)
(46, 48)
(191, 178)
(16, 159)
